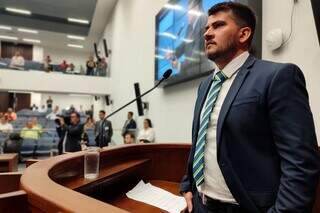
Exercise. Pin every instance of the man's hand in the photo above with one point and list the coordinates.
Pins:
(188, 197)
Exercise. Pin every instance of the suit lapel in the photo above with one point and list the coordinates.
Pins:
(232, 93)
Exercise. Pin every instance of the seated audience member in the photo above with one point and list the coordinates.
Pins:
(47, 64)
(71, 67)
(53, 115)
(130, 124)
(17, 61)
(89, 124)
(11, 115)
(90, 66)
(5, 127)
(29, 131)
(129, 138)
(102, 67)
(146, 135)
(34, 107)
(63, 66)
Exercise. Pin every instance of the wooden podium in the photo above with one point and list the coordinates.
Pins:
(58, 185)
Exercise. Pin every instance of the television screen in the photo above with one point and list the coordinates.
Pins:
(180, 43)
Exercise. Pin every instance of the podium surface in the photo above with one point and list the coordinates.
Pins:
(58, 184)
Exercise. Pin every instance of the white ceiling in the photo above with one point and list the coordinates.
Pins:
(49, 38)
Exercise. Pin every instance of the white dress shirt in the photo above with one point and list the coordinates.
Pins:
(147, 134)
(17, 61)
(214, 185)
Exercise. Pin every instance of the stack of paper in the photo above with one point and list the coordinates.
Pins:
(158, 197)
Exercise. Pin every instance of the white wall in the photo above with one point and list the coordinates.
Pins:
(64, 100)
(131, 37)
(38, 81)
(37, 53)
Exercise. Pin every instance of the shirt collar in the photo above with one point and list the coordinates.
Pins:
(233, 66)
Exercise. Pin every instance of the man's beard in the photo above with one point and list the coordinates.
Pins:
(223, 52)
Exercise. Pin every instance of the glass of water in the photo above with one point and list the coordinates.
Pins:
(91, 163)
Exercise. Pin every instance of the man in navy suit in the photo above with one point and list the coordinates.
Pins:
(254, 147)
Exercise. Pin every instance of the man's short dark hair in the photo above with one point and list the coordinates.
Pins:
(129, 133)
(77, 114)
(102, 111)
(244, 16)
(131, 113)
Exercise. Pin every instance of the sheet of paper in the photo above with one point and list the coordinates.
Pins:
(158, 197)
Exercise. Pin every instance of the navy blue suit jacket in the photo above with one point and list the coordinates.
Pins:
(266, 142)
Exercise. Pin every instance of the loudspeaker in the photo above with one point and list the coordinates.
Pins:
(139, 102)
(105, 46)
(96, 51)
(108, 101)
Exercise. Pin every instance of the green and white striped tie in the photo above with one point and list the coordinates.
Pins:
(198, 160)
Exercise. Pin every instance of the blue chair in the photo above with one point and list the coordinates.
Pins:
(44, 146)
(28, 147)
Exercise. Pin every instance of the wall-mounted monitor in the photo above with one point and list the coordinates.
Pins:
(180, 43)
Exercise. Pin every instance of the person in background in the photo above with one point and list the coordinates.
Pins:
(5, 126)
(90, 66)
(47, 64)
(36, 126)
(53, 115)
(102, 67)
(130, 124)
(103, 130)
(34, 107)
(89, 124)
(61, 131)
(11, 115)
(63, 66)
(28, 132)
(74, 133)
(71, 68)
(17, 61)
(147, 134)
(49, 103)
(254, 145)
(129, 138)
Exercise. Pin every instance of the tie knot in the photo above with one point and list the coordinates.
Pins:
(219, 76)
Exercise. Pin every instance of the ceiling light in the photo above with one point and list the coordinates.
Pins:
(31, 40)
(8, 37)
(15, 10)
(5, 27)
(76, 37)
(81, 21)
(173, 6)
(27, 31)
(195, 12)
(75, 45)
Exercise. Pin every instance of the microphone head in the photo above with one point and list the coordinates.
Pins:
(167, 74)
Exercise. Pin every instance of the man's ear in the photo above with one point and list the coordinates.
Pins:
(244, 34)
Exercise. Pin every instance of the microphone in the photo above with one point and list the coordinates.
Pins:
(165, 76)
